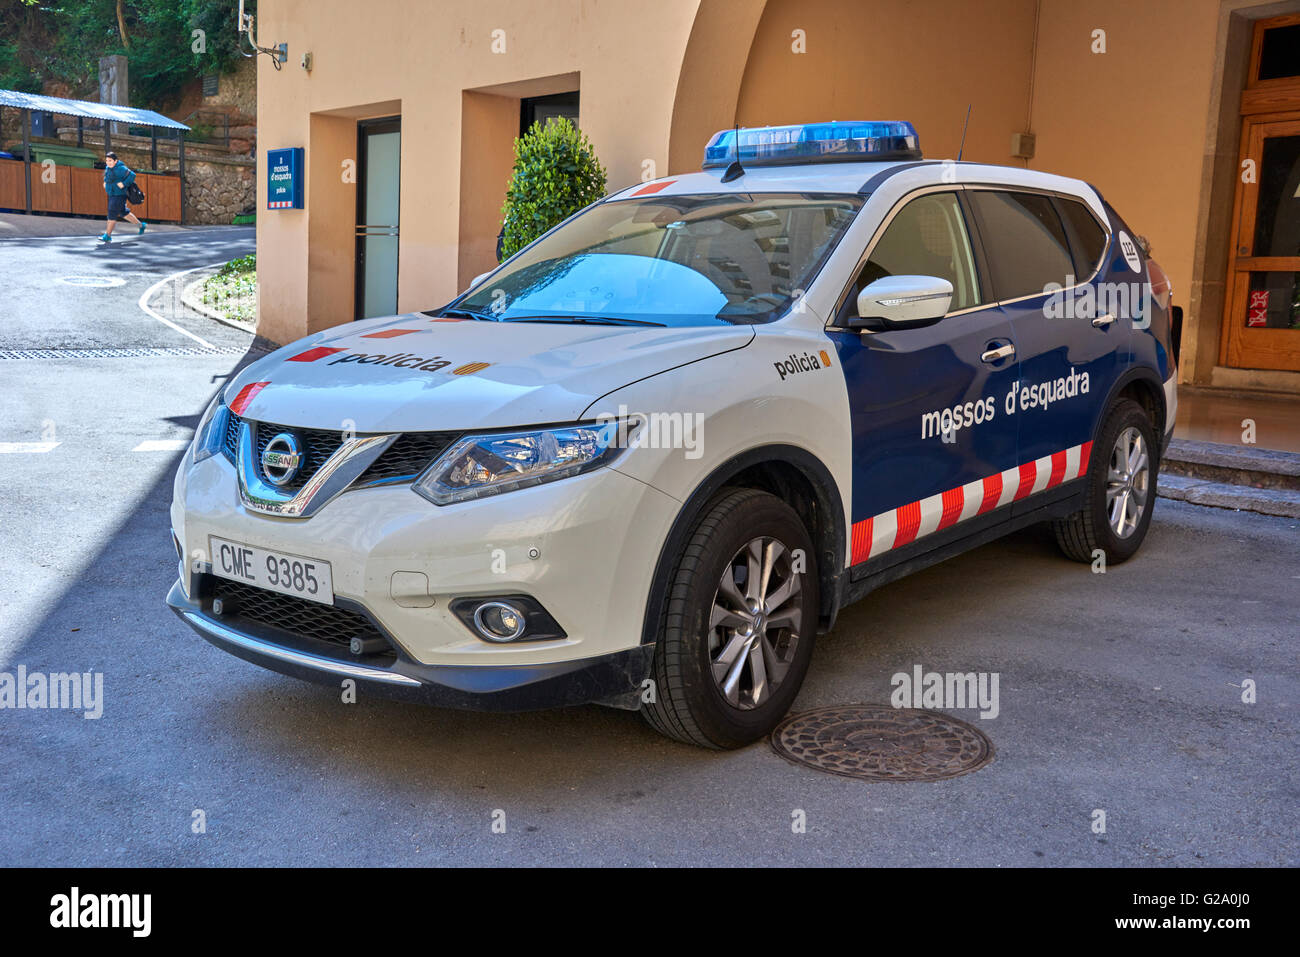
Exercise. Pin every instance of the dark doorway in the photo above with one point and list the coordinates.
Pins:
(539, 109)
(379, 171)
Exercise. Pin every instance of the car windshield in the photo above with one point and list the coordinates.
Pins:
(672, 261)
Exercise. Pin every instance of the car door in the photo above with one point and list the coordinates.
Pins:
(930, 438)
(1072, 337)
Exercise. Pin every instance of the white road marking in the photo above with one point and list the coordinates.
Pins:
(19, 447)
(162, 445)
(144, 303)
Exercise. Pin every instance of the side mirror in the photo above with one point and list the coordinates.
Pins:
(480, 277)
(902, 302)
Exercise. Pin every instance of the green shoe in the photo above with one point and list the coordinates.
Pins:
(105, 238)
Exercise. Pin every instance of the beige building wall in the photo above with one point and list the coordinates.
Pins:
(896, 60)
(385, 56)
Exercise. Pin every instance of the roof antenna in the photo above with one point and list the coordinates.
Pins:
(963, 132)
(735, 170)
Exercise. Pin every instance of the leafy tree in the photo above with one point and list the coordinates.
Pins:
(556, 174)
(62, 40)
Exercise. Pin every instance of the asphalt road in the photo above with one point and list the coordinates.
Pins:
(73, 292)
(1120, 692)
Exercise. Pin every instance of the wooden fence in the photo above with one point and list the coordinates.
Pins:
(78, 190)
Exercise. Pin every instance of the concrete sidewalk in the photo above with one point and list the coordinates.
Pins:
(1213, 415)
(1235, 450)
(1238, 477)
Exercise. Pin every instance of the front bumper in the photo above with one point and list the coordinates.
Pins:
(613, 679)
(584, 548)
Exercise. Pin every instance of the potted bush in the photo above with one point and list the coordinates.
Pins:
(556, 174)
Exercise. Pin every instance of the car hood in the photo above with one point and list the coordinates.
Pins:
(414, 373)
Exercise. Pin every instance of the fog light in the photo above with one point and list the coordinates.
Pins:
(506, 618)
(499, 621)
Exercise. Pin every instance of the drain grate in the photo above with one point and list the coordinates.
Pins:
(145, 352)
(876, 743)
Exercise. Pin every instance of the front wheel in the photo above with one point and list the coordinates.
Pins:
(737, 636)
(1121, 492)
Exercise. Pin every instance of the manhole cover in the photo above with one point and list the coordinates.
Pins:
(882, 744)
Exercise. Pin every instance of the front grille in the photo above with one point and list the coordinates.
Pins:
(408, 456)
(301, 618)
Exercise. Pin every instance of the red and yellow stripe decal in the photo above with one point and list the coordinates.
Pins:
(907, 523)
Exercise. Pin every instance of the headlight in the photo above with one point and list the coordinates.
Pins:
(480, 465)
(210, 433)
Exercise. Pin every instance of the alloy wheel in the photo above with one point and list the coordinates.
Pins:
(1128, 482)
(755, 622)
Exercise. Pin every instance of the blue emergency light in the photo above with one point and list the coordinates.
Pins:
(842, 142)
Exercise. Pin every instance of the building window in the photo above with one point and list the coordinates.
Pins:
(1279, 53)
(539, 109)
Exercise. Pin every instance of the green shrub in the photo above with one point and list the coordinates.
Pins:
(241, 265)
(556, 174)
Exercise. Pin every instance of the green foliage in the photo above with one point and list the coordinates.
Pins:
(244, 264)
(556, 174)
(233, 290)
(62, 41)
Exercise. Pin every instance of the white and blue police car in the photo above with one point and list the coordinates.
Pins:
(646, 460)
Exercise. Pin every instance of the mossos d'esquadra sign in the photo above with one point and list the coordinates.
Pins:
(284, 178)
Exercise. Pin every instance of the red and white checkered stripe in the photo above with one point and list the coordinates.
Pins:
(905, 524)
(280, 204)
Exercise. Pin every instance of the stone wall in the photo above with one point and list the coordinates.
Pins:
(218, 189)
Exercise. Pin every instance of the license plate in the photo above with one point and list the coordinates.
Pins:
(307, 578)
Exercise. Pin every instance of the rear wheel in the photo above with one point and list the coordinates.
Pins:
(737, 637)
(1121, 492)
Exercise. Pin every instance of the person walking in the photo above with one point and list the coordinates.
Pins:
(117, 177)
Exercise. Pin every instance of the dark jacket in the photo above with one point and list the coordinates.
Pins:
(121, 173)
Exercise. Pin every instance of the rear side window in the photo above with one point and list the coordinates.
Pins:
(1087, 238)
(1025, 241)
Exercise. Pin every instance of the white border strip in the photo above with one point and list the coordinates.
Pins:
(144, 302)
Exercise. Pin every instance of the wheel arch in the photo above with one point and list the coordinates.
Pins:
(1144, 387)
(795, 476)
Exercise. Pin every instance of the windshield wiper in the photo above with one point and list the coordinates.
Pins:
(468, 313)
(589, 320)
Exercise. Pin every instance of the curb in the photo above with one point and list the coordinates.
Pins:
(1199, 491)
(1233, 464)
(192, 301)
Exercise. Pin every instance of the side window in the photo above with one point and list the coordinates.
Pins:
(926, 238)
(1024, 240)
(1087, 238)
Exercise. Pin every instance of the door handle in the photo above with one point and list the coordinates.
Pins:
(1101, 322)
(1001, 352)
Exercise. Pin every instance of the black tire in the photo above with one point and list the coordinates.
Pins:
(689, 703)
(1080, 535)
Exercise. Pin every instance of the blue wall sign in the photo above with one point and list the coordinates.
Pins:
(284, 174)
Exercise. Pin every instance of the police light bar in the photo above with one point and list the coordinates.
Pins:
(856, 142)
